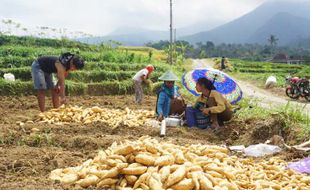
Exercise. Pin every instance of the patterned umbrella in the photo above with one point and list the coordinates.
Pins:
(223, 83)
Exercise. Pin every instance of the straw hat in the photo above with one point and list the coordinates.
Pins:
(169, 76)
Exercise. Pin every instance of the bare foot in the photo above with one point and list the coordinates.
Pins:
(215, 125)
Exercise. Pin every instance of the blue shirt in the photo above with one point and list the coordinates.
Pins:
(164, 100)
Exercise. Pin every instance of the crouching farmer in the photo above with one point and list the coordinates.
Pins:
(212, 104)
(167, 94)
(42, 70)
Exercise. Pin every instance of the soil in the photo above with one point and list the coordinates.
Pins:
(27, 157)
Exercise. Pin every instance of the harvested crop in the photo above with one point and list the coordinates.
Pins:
(134, 165)
(110, 117)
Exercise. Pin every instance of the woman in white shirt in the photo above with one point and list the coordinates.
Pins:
(139, 77)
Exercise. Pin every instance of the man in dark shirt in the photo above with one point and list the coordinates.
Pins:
(42, 70)
(223, 63)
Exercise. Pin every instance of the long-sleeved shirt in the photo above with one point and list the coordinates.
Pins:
(221, 102)
(164, 100)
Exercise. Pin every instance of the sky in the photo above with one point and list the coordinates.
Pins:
(100, 17)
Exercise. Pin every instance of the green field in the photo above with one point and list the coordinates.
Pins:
(108, 71)
(260, 71)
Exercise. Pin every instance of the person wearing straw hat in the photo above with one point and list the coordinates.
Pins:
(167, 92)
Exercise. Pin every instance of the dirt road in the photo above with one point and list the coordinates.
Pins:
(266, 98)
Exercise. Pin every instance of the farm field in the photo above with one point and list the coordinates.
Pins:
(31, 150)
(108, 70)
(260, 71)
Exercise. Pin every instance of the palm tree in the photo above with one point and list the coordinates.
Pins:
(273, 40)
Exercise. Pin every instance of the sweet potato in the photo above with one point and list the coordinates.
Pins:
(69, 178)
(145, 159)
(125, 150)
(88, 181)
(205, 183)
(111, 173)
(164, 173)
(164, 160)
(176, 176)
(107, 181)
(131, 179)
(155, 184)
(134, 171)
(143, 178)
(185, 184)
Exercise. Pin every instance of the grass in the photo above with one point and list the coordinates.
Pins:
(291, 117)
(260, 71)
(260, 78)
(294, 118)
(158, 55)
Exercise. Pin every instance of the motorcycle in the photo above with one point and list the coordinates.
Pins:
(297, 87)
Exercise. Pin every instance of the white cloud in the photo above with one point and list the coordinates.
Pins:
(103, 16)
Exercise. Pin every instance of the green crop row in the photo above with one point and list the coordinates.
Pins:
(248, 70)
(85, 76)
(241, 63)
(123, 66)
(97, 76)
(15, 61)
(18, 56)
(267, 66)
(28, 41)
(23, 73)
(8, 88)
(260, 71)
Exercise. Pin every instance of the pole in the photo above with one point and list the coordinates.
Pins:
(171, 43)
(175, 36)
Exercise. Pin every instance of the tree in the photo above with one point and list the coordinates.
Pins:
(273, 40)
(210, 45)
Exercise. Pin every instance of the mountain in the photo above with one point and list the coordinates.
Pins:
(197, 27)
(133, 36)
(130, 36)
(245, 28)
(286, 27)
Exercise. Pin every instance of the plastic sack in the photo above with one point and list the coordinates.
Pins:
(302, 166)
(195, 118)
(271, 82)
(9, 77)
(259, 150)
(152, 123)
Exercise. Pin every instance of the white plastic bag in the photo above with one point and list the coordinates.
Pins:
(163, 128)
(259, 150)
(238, 148)
(9, 77)
(152, 123)
(271, 82)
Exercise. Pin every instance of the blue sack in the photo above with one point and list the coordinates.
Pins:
(190, 117)
(195, 118)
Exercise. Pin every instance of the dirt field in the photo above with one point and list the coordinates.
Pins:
(27, 158)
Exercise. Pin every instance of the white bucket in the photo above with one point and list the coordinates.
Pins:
(9, 77)
(173, 122)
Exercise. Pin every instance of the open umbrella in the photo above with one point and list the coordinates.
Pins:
(223, 83)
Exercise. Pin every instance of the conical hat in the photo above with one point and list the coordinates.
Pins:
(169, 76)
